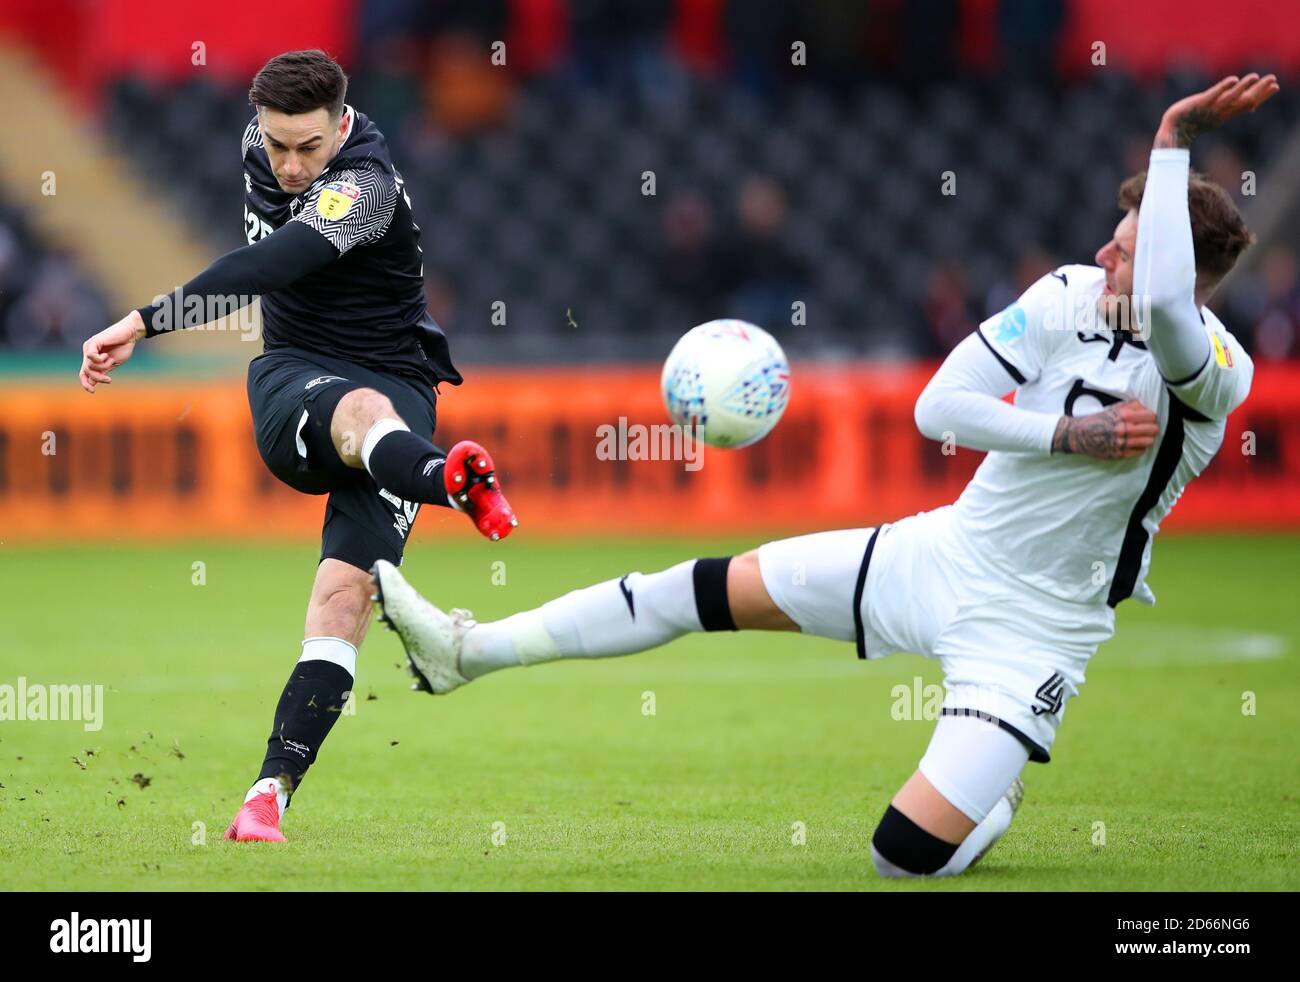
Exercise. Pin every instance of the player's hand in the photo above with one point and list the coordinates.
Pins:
(108, 349)
(1123, 430)
(1188, 118)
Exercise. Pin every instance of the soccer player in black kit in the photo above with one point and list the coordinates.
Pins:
(344, 395)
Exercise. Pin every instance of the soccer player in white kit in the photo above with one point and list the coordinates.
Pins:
(1123, 380)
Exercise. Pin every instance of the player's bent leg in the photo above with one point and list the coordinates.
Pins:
(368, 433)
(958, 803)
(354, 416)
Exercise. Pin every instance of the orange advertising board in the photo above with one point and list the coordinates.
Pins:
(176, 459)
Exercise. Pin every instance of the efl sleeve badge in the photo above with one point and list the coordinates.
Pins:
(1222, 353)
(336, 199)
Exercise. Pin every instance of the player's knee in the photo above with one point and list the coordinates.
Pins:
(355, 417)
(751, 605)
(746, 563)
(362, 408)
(901, 848)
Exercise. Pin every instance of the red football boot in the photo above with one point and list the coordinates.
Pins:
(258, 820)
(471, 480)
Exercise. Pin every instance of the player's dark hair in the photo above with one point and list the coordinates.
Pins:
(299, 82)
(1219, 233)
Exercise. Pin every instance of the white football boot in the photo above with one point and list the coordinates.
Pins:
(430, 636)
(1014, 794)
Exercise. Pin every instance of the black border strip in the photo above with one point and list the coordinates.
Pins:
(1036, 753)
(857, 594)
(1196, 374)
(1011, 369)
(1131, 550)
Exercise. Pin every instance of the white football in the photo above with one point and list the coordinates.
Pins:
(728, 377)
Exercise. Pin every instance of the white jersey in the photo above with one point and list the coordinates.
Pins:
(1073, 526)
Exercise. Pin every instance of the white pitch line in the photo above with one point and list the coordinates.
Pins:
(1192, 646)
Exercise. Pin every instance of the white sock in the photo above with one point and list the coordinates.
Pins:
(335, 650)
(520, 639)
(266, 784)
(378, 430)
(888, 870)
(617, 617)
(981, 837)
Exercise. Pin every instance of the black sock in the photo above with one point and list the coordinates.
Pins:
(409, 466)
(908, 846)
(711, 603)
(312, 700)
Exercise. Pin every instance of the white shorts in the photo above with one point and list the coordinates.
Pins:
(1011, 654)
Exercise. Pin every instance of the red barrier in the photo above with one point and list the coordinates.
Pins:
(175, 460)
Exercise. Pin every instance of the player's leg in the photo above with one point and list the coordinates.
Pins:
(368, 432)
(362, 526)
(319, 686)
(958, 803)
(802, 584)
(1011, 661)
(291, 404)
(339, 606)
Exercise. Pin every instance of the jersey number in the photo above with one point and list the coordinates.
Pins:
(255, 227)
(1079, 389)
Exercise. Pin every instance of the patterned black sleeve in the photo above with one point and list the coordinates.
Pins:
(252, 137)
(350, 207)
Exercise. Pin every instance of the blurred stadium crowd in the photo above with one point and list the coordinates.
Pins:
(773, 182)
(46, 300)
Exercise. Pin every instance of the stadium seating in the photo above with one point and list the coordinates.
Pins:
(547, 212)
(46, 301)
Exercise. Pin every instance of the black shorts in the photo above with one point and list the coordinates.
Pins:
(293, 395)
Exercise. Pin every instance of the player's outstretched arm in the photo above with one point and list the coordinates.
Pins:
(1165, 285)
(232, 282)
(1202, 112)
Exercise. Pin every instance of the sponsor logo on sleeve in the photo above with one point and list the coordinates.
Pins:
(1222, 353)
(1010, 326)
(336, 199)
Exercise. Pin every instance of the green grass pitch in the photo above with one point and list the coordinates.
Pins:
(556, 778)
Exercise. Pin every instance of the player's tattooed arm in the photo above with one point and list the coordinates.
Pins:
(1123, 430)
(1188, 118)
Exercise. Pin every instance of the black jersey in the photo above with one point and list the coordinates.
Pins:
(367, 306)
